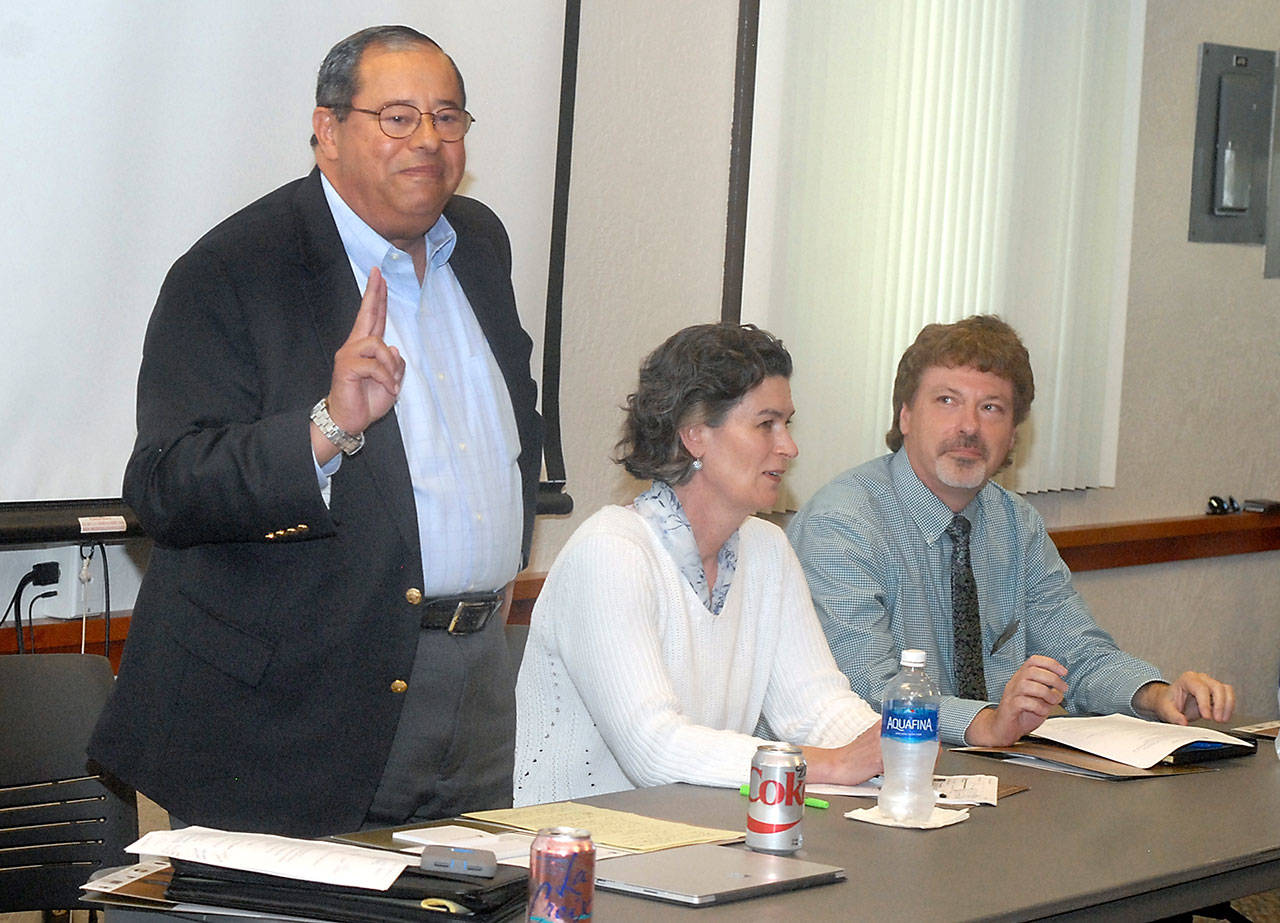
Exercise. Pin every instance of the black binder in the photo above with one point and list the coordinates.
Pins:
(414, 897)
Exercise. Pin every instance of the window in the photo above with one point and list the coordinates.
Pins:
(922, 161)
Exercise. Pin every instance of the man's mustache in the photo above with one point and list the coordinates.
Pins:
(965, 442)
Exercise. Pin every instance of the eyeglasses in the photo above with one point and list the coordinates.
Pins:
(400, 120)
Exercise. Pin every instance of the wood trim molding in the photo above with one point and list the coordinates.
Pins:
(1120, 544)
(1152, 541)
(525, 594)
(54, 636)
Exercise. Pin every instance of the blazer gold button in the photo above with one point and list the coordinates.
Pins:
(399, 686)
(302, 527)
(414, 595)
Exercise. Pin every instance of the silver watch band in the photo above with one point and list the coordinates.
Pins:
(346, 442)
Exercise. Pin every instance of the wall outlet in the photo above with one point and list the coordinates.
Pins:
(126, 561)
(14, 565)
(127, 564)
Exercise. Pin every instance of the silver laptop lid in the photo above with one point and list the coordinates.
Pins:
(707, 874)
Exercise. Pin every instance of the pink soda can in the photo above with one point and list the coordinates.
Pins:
(562, 875)
(775, 806)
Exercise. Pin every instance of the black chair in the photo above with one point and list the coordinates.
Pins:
(59, 819)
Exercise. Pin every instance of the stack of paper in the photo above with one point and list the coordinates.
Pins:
(1128, 740)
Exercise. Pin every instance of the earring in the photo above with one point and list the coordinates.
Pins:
(697, 464)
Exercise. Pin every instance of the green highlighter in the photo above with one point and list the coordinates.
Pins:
(809, 802)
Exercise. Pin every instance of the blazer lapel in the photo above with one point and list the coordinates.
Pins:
(331, 292)
(472, 262)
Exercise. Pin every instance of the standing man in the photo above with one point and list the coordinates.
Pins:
(337, 457)
(920, 549)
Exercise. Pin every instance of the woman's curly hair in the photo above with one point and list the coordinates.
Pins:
(697, 376)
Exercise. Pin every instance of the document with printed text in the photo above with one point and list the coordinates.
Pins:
(1129, 740)
(612, 828)
(306, 860)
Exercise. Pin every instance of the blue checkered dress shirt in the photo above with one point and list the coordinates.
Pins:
(874, 548)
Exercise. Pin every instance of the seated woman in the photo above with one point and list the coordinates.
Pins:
(667, 631)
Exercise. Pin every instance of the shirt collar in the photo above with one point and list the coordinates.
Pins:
(662, 511)
(367, 248)
(931, 515)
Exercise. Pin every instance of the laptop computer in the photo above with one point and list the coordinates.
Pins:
(709, 874)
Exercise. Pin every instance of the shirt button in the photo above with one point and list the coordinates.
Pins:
(413, 595)
(462, 447)
(399, 686)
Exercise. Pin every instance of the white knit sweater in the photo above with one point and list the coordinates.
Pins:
(629, 681)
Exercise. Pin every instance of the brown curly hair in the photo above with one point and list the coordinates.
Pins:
(983, 342)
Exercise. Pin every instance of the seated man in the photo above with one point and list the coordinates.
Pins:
(920, 549)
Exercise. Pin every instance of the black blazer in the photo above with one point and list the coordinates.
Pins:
(256, 686)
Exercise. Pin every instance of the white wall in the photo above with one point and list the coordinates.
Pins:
(1199, 413)
(1199, 410)
(645, 249)
(182, 113)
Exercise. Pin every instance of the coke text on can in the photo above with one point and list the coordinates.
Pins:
(775, 806)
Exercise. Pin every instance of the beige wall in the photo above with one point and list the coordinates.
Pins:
(1199, 413)
(645, 249)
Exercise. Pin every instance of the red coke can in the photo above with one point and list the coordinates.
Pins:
(775, 806)
(562, 875)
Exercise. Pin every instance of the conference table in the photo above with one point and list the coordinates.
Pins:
(1067, 848)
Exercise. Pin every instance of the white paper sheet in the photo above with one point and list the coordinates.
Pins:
(507, 848)
(970, 789)
(504, 846)
(940, 817)
(306, 860)
(1127, 740)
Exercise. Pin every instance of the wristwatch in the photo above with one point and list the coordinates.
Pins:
(346, 442)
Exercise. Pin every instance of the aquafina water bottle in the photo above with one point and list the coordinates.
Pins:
(909, 741)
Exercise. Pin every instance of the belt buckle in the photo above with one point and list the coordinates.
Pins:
(484, 608)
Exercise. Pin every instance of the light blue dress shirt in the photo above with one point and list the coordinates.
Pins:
(454, 412)
(874, 549)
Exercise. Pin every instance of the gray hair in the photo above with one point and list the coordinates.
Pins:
(336, 82)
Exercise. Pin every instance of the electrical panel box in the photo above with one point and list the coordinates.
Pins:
(1232, 145)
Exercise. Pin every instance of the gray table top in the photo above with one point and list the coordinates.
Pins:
(1068, 847)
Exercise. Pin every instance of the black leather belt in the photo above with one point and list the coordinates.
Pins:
(460, 615)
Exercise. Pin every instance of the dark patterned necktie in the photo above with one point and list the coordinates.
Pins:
(970, 681)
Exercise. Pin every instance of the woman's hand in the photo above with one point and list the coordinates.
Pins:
(855, 762)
